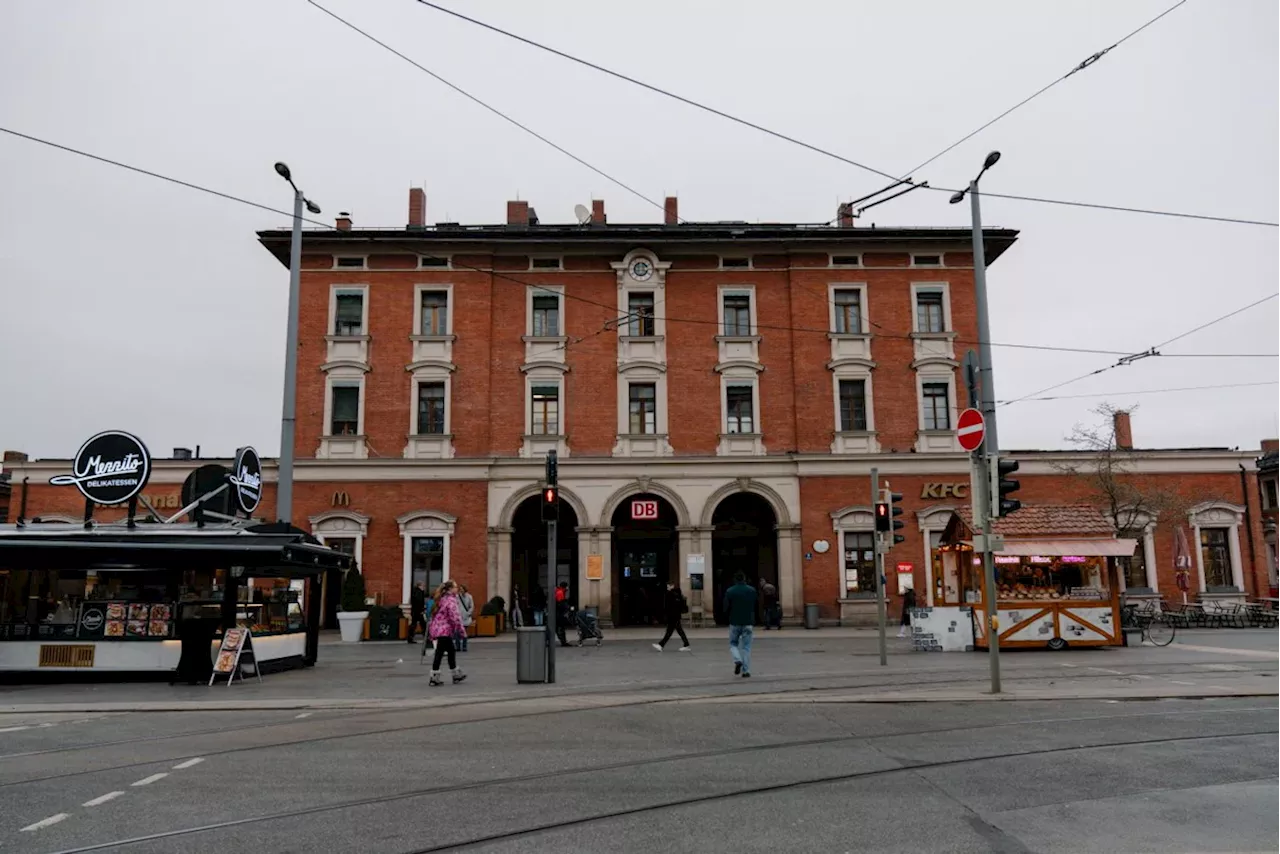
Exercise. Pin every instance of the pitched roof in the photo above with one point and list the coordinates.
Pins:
(1041, 520)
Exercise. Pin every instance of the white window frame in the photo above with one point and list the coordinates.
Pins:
(865, 378)
(923, 378)
(334, 290)
(748, 291)
(424, 523)
(342, 525)
(863, 319)
(942, 260)
(831, 260)
(945, 288)
(559, 268)
(448, 262)
(427, 376)
(331, 382)
(418, 291)
(625, 327)
(544, 291)
(851, 520)
(543, 379)
(1218, 514)
(364, 261)
(754, 383)
(750, 262)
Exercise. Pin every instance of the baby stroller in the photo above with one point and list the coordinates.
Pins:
(588, 627)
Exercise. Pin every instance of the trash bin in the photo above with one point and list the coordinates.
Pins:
(810, 615)
(531, 654)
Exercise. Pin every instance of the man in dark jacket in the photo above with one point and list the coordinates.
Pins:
(740, 606)
(417, 609)
(674, 608)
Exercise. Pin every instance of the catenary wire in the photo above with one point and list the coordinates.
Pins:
(416, 250)
(1150, 391)
(818, 149)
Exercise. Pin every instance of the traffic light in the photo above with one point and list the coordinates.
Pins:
(552, 465)
(882, 518)
(550, 503)
(1002, 486)
(893, 499)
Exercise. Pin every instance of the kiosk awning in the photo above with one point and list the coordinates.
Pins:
(1058, 548)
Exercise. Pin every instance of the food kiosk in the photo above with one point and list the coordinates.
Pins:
(1056, 583)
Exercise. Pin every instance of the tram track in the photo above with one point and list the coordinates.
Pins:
(547, 827)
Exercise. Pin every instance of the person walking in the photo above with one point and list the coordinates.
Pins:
(674, 607)
(517, 608)
(908, 602)
(740, 606)
(538, 602)
(468, 608)
(417, 610)
(445, 625)
(562, 611)
(772, 610)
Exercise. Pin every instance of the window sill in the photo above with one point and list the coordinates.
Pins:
(741, 435)
(643, 339)
(347, 339)
(544, 339)
(346, 437)
(544, 437)
(849, 336)
(738, 339)
(446, 339)
(946, 335)
(649, 436)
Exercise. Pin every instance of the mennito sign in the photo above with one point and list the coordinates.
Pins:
(110, 468)
(246, 479)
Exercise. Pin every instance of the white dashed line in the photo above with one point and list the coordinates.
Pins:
(14, 728)
(303, 715)
(1140, 676)
(1176, 682)
(102, 799)
(1105, 670)
(43, 823)
(44, 726)
(1070, 665)
(188, 763)
(147, 781)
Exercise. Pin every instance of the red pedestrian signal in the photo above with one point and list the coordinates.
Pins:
(550, 503)
(882, 518)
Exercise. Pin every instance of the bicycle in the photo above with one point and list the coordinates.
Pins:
(1155, 627)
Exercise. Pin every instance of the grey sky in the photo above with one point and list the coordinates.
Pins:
(131, 303)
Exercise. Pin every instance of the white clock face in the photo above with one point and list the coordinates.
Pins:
(641, 270)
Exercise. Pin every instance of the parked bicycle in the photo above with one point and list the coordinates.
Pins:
(1155, 627)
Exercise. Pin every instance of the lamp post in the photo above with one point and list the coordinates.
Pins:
(289, 415)
(987, 403)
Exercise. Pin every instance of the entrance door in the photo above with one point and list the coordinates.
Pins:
(643, 578)
(744, 540)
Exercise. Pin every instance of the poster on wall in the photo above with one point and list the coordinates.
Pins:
(696, 564)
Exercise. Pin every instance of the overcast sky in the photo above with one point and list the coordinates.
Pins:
(127, 302)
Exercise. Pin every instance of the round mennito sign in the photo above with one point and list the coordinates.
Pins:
(110, 468)
(246, 479)
(92, 618)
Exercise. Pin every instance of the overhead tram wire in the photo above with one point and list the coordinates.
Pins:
(417, 250)
(816, 148)
(1150, 391)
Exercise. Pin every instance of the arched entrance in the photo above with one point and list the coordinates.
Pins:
(529, 552)
(645, 555)
(744, 539)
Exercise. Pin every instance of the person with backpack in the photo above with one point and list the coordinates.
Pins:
(674, 607)
(740, 607)
(444, 626)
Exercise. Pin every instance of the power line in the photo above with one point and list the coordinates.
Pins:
(489, 107)
(1081, 67)
(815, 148)
(1218, 320)
(1152, 391)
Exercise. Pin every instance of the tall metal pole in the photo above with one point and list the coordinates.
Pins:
(990, 443)
(551, 611)
(879, 568)
(288, 415)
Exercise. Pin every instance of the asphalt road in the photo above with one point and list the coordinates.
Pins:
(698, 767)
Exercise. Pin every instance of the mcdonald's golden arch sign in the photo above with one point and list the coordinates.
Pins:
(340, 499)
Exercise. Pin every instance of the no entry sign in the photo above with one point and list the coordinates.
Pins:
(970, 428)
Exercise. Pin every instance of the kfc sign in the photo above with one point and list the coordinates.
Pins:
(645, 510)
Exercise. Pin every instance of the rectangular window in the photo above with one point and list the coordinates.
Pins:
(640, 314)
(739, 409)
(348, 315)
(1216, 557)
(926, 260)
(643, 408)
(846, 260)
(737, 314)
(853, 405)
(546, 410)
(345, 420)
(428, 562)
(344, 545)
(430, 409)
(929, 317)
(740, 263)
(349, 261)
(435, 312)
(1133, 569)
(546, 316)
(859, 563)
(1268, 495)
(937, 406)
(848, 312)
(434, 261)
(544, 263)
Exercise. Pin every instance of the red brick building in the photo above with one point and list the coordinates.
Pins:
(743, 378)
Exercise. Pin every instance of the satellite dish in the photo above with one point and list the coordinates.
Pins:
(582, 213)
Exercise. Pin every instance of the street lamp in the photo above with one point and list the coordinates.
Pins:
(289, 415)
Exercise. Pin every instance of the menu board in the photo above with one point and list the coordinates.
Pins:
(115, 620)
(236, 649)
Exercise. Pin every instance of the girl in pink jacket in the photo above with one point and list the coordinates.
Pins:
(446, 623)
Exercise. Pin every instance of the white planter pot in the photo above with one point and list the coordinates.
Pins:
(352, 625)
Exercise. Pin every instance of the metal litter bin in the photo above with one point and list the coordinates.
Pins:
(531, 654)
(810, 615)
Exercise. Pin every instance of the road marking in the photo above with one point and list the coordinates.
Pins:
(1110, 701)
(303, 715)
(102, 799)
(1219, 688)
(1140, 676)
(147, 781)
(47, 822)
(188, 763)
(1247, 653)
(1176, 682)
(1070, 665)
(43, 726)
(1105, 670)
(14, 728)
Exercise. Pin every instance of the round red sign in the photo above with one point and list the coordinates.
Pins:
(970, 428)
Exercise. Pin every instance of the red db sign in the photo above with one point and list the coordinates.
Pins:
(644, 510)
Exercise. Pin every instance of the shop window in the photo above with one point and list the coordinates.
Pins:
(348, 316)
(929, 313)
(859, 563)
(435, 312)
(430, 409)
(546, 316)
(1133, 569)
(853, 405)
(1048, 578)
(1216, 557)
(737, 314)
(546, 410)
(642, 402)
(428, 561)
(739, 402)
(345, 419)
(936, 402)
(640, 314)
(848, 311)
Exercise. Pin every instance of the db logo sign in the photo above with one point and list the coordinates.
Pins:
(644, 510)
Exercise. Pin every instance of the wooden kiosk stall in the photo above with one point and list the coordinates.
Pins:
(1056, 583)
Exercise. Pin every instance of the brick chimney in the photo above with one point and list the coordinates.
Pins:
(1270, 446)
(344, 221)
(844, 215)
(417, 207)
(1124, 432)
(518, 213)
(670, 208)
(14, 457)
(597, 212)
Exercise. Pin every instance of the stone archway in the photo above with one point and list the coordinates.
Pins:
(746, 484)
(645, 486)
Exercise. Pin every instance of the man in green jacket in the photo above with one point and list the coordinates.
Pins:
(740, 605)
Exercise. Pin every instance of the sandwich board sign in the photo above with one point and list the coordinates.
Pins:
(235, 652)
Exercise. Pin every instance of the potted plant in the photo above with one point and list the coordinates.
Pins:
(487, 622)
(353, 613)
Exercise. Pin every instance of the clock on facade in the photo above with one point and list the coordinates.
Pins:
(641, 269)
